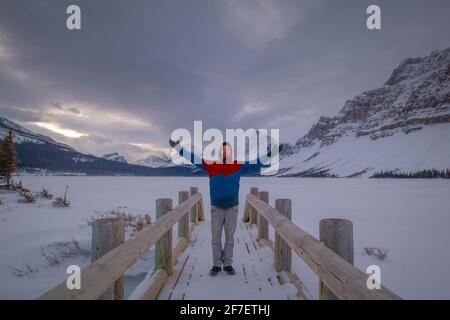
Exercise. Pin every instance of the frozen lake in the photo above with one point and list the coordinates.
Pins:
(411, 218)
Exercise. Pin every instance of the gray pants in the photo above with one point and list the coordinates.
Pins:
(223, 219)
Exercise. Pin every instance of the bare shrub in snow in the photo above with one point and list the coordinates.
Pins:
(23, 189)
(141, 223)
(16, 186)
(45, 194)
(132, 222)
(58, 251)
(51, 258)
(25, 271)
(19, 187)
(27, 197)
(379, 252)
(62, 201)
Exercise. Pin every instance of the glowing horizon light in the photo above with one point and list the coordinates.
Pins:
(65, 132)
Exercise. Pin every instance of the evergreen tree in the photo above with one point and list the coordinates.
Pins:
(8, 160)
(2, 163)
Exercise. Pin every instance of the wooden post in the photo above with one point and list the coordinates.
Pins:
(253, 212)
(246, 217)
(263, 225)
(183, 223)
(201, 212)
(282, 251)
(336, 234)
(108, 234)
(163, 247)
(194, 209)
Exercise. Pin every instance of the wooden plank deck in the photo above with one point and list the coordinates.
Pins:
(255, 276)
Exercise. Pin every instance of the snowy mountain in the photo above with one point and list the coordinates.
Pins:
(156, 160)
(22, 135)
(403, 125)
(38, 153)
(115, 157)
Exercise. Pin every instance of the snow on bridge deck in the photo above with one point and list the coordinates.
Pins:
(255, 276)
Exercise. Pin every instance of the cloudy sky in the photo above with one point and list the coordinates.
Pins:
(140, 69)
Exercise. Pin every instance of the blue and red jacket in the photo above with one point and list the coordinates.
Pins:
(224, 179)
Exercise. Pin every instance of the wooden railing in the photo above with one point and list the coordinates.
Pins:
(338, 277)
(103, 274)
(331, 258)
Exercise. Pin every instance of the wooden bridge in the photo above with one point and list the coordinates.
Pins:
(263, 266)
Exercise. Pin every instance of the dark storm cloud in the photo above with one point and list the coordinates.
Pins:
(61, 107)
(139, 69)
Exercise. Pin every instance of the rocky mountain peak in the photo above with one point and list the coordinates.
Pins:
(403, 124)
(437, 61)
(416, 94)
(115, 156)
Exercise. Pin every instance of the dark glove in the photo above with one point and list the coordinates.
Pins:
(173, 143)
(280, 147)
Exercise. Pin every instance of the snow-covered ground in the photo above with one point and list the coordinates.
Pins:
(408, 217)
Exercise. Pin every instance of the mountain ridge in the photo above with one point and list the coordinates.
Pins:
(414, 98)
(39, 153)
(403, 126)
